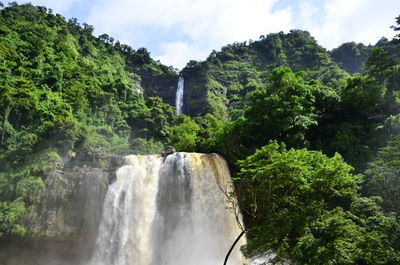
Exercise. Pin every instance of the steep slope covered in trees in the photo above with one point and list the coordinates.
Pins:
(67, 95)
(70, 100)
(310, 102)
(219, 84)
(321, 108)
(351, 56)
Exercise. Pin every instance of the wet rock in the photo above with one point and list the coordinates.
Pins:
(168, 150)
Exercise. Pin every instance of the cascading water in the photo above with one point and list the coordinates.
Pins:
(179, 96)
(128, 212)
(168, 211)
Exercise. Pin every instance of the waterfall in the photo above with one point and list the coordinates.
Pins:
(179, 96)
(128, 212)
(168, 211)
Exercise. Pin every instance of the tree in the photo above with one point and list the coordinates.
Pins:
(88, 29)
(384, 177)
(380, 64)
(211, 129)
(350, 56)
(283, 112)
(106, 38)
(61, 91)
(397, 28)
(142, 56)
(303, 203)
(363, 96)
(184, 135)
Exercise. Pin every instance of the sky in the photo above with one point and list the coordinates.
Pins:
(177, 31)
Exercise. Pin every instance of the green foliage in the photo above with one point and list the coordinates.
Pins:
(239, 68)
(397, 27)
(63, 90)
(360, 121)
(303, 204)
(363, 95)
(211, 129)
(380, 64)
(284, 111)
(307, 207)
(10, 213)
(184, 135)
(156, 79)
(383, 177)
(144, 147)
(195, 95)
(30, 189)
(350, 56)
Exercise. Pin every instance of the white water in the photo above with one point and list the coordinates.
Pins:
(179, 96)
(168, 212)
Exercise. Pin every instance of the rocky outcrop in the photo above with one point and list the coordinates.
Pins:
(157, 84)
(195, 95)
(65, 225)
(168, 150)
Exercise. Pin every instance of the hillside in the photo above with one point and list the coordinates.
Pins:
(219, 84)
(311, 137)
(351, 56)
(90, 83)
(68, 98)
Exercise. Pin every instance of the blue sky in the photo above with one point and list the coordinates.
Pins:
(176, 31)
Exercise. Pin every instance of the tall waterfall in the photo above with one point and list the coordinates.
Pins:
(168, 211)
(179, 95)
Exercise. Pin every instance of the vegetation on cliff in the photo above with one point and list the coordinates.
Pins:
(299, 125)
(309, 208)
(64, 91)
(222, 81)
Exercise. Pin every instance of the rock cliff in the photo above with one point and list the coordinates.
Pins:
(66, 221)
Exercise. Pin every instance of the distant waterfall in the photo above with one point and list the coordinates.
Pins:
(179, 96)
(168, 212)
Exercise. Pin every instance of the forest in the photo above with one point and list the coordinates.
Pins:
(312, 136)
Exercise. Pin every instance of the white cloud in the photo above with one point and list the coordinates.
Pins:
(234, 20)
(205, 24)
(306, 14)
(179, 53)
(356, 20)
